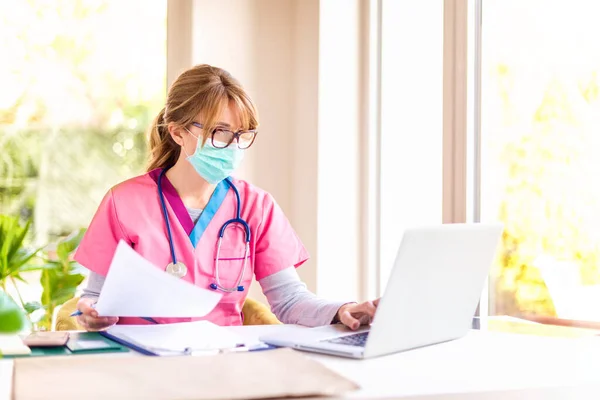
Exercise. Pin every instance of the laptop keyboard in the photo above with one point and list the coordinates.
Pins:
(358, 339)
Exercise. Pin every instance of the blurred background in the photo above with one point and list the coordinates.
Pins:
(376, 115)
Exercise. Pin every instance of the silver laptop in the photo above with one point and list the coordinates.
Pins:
(431, 295)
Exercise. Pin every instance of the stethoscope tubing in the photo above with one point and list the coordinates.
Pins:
(237, 220)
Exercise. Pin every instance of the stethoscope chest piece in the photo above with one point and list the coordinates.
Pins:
(178, 270)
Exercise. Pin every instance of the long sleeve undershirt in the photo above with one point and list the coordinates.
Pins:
(290, 300)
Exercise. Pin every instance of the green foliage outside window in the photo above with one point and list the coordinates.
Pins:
(548, 196)
(82, 84)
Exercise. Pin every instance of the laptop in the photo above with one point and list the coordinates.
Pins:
(431, 295)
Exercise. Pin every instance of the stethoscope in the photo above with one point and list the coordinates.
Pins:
(179, 270)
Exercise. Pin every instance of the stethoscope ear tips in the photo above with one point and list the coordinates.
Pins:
(240, 288)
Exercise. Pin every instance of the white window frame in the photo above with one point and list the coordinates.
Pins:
(454, 179)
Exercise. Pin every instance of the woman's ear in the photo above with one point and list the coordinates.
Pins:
(176, 133)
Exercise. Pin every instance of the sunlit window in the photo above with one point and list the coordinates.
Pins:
(540, 144)
(80, 81)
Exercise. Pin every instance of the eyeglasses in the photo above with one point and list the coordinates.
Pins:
(221, 138)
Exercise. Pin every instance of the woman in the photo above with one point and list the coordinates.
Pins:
(173, 215)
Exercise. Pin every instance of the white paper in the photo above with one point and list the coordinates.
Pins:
(6, 378)
(136, 288)
(164, 339)
(13, 345)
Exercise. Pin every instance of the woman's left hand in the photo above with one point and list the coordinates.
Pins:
(354, 315)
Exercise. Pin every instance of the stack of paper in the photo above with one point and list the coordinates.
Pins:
(134, 287)
(12, 345)
(199, 337)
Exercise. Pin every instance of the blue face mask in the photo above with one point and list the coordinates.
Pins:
(214, 164)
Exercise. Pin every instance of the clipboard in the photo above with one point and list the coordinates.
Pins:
(131, 345)
(180, 339)
(148, 352)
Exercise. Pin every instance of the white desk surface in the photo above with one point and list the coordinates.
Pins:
(480, 362)
(482, 365)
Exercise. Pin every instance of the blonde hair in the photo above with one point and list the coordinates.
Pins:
(204, 90)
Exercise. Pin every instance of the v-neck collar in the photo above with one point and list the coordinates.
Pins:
(196, 231)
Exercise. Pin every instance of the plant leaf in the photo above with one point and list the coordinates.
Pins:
(32, 306)
(6, 233)
(68, 245)
(58, 286)
(34, 267)
(47, 281)
(66, 288)
(12, 318)
(22, 259)
(19, 237)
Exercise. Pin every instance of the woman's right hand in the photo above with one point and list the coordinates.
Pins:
(89, 318)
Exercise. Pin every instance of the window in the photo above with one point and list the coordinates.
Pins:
(81, 80)
(540, 124)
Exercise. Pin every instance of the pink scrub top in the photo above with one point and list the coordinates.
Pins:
(131, 211)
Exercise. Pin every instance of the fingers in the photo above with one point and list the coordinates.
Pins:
(347, 319)
(355, 315)
(102, 323)
(366, 309)
(89, 318)
(360, 314)
(97, 324)
(86, 307)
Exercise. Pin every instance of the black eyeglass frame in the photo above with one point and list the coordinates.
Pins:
(235, 136)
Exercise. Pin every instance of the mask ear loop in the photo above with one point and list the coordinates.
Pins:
(183, 146)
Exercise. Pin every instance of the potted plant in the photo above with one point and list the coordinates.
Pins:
(61, 276)
(15, 258)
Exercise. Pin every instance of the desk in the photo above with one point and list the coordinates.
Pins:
(482, 365)
(478, 363)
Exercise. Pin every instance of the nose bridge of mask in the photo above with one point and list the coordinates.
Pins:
(221, 144)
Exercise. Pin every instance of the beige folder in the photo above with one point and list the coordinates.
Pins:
(256, 375)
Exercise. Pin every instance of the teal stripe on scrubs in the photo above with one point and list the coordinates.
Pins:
(209, 212)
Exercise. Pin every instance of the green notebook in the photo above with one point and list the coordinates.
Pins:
(79, 343)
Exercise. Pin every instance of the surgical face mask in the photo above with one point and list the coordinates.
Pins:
(214, 164)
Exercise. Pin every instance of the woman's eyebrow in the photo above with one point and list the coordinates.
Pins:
(224, 124)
